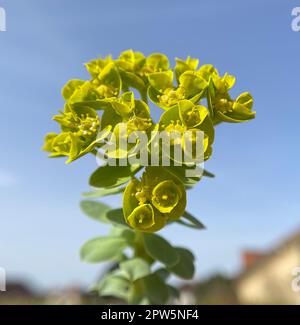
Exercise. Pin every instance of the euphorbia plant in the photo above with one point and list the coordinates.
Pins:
(96, 112)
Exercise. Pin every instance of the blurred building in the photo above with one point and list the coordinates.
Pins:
(216, 290)
(18, 293)
(267, 278)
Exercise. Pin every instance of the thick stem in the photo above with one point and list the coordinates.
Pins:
(139, 248)
(138, 290)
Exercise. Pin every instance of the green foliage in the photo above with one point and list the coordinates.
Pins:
(116, 217)
(156, 290)
(185, 267)
(135, 268)
(115, 285)
(190, 221)
(103, 249)
(95, 210)
(103, 192)
(191, 98)
(112, 176)
(160, 249)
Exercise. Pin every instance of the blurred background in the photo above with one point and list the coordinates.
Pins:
(252, 207)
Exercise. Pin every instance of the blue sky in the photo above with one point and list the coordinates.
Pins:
(253, 201)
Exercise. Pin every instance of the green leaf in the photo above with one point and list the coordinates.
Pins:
(206, 173)
(112, 176)
(160, 249)
(95, 210)
(110, 76)
(194, 222)
(116, 286)
(128, 234)
(70, 87)
(161, 80)
(163, 273)
(209, 94)
(116, 216)
(103, 192)
(156, 290)
(182, 66)
(193, 83)
(110, 118)
(245, 99)
(136, 268)
(180, 173)
(132, 80)
(102, 249)
(185, 267)
(158, 62)
(99, 104)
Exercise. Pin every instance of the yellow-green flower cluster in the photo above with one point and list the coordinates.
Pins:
(79, 128)
(116, 94)
(224, 108)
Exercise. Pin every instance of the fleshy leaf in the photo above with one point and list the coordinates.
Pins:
(116, 217)
(103, 192)
(116, 286)
(185, 267)
(157, 62)
(69, 89)
(194, 221)
(160, 249)
(192, 83)
(136, 268)
(102, 249)
(161, 80)
(155, 289)
(132, 80)
(246, 100)
(183, 66)
(112, 176)
(95, 210)
(206, 173)
(111, 77)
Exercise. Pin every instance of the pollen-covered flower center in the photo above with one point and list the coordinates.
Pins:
(138, 124)
(105, 91)
(191, 117)
(175, 130)
(171, 96)
(223, 105)
(175, 126)
(165, 196)
(143, 194)
(88, 126)
(62, 143)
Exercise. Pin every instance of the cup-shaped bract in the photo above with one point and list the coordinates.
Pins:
(149, 203)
